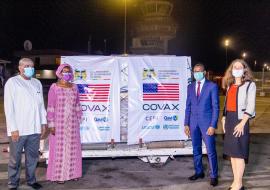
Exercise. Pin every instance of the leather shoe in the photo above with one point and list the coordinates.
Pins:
(13, 188)
(214, 182)
(196, 176)
(35, 185)
(242, 188)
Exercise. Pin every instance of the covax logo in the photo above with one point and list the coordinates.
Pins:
(163, 107)
(95, 108)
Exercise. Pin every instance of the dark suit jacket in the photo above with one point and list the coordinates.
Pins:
(202, 111)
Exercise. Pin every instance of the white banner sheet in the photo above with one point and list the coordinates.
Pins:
(98, 80)
(157, 89)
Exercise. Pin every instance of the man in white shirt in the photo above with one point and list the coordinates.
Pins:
(26, 122)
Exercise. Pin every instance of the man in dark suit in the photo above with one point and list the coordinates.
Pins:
(201, 117)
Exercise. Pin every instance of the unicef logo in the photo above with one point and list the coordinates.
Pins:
(84, 128)
(151, 127)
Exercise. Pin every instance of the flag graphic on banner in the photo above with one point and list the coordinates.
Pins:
(94, 92)
(160, 92)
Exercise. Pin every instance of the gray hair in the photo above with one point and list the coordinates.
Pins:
(25, 60)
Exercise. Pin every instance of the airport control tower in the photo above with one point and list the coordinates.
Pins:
(153, 32)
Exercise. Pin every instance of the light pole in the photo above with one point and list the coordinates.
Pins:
(105, 46)
(264, 66)
(226, 43)
(89, 45)
(125, 29)
(244, 54)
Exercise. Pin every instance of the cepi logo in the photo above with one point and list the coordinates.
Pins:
(171, 118)
(101, 119)
(151, 118)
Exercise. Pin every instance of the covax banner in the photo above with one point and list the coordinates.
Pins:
(157, 91)
(98, 80)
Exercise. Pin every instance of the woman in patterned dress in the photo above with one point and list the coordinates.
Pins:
(64, 115)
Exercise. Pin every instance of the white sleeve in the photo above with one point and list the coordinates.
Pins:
(43, 110)
(251, 100)
(9, 94)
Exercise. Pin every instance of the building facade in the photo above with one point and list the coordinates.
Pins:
(153, 32)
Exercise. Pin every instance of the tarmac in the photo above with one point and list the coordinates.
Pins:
(133, 174)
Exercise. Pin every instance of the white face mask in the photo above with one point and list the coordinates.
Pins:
(237, 73)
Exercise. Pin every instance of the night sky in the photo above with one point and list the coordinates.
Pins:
(202, 25)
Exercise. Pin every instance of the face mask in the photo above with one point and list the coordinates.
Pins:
(237, 72)
(199, 76)
(29, 72)
(67, 76)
